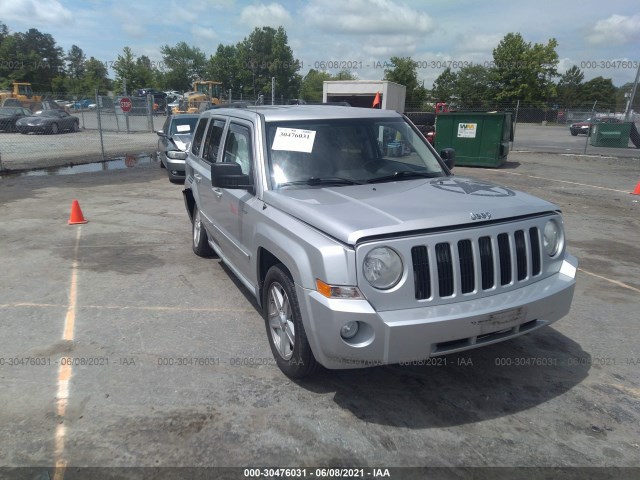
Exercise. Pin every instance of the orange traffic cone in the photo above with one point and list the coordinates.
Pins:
(637, 190)
(76, 214)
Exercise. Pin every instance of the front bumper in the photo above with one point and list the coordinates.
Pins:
(32, 128)
(413, 334)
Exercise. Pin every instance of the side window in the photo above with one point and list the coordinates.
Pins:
(197, 136)
(165, 127)
(212, 141)
(237, 148)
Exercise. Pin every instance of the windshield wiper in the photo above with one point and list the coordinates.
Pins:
(402, 174)
(313, 181)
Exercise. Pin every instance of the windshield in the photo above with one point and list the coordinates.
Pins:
(46, 113)
(346, 152)
(183, 126)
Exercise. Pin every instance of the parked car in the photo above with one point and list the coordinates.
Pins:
(83, 104)
(173, 143)
(159, 98)
(48, 121)
(9, 116)
(584, 127)
(359, 244)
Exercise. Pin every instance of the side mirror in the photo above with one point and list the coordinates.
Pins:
(161, 133)
(229, 175)
(449, 157)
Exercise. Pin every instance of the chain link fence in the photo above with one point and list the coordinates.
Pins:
(104, 131)
(107, 132)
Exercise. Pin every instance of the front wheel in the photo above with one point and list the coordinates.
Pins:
(76, 127)
(199, 237)
(54, 129)
(287, 338)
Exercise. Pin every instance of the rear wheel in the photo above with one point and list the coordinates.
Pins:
(199, 237)
(54, 129)
(287, 338)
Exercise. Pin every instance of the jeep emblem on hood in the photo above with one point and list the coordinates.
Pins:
(472, 187)
(480, 215)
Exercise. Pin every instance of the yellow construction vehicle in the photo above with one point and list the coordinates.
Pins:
(22, 95)
(204, 94)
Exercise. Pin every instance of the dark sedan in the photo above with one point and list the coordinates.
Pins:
(10, 115)
(175, 138)
(48, 121)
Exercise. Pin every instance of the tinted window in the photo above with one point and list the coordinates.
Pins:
(237, 148)
(212, 141)
(197, 137)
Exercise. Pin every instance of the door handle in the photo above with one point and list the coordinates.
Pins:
(197, 176)
(217, 192)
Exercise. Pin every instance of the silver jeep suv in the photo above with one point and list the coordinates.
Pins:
(360, 245)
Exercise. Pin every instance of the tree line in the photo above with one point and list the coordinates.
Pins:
(519, 71)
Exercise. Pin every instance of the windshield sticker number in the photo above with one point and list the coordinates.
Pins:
(294, 140)
(183, 128)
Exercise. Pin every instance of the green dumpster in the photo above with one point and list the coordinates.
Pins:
(615, 135)
(480, 139)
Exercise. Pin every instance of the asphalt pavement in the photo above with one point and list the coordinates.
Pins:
(121, 348)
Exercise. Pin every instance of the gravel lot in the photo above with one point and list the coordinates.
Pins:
(170, 365)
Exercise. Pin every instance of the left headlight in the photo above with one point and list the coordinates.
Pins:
(382, 267)
(552, 237)
(176, 154)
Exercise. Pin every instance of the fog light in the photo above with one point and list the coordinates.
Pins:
(349, 330)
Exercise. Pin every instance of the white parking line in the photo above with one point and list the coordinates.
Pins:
(559, 181)
(66, 370)
(615, 282)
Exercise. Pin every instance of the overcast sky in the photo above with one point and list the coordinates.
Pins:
(365, 33)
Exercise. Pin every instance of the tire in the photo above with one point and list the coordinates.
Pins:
(575, 134)
(76, 127)
(283, 321)
(199, 239)
(53, 130)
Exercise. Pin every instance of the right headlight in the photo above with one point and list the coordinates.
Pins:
(382, 267)
(552, 237)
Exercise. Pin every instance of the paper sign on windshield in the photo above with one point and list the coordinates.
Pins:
(294, 140)
(183, 128)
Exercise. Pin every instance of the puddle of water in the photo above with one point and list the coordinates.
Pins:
(130, 161)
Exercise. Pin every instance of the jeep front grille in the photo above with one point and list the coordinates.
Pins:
(479, 263)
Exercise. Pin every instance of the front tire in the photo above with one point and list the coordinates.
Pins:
(199, 239)
(76, 127)
(283, 320)
(54, 129)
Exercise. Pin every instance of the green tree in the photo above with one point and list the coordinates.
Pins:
(184, 64)
(95, 77)
(444, 87)
(75, 62)
(405, 73)
(224, 67)
(312, 83)
(263, 55)
(524, 71)
(601, 90)
(473, 87)
(569, 88)
(32, 56)
(137, 72)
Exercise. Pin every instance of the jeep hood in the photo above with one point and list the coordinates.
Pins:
(351, 213)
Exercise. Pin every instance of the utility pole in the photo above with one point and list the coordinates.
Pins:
(273, 90)
(633, 94)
